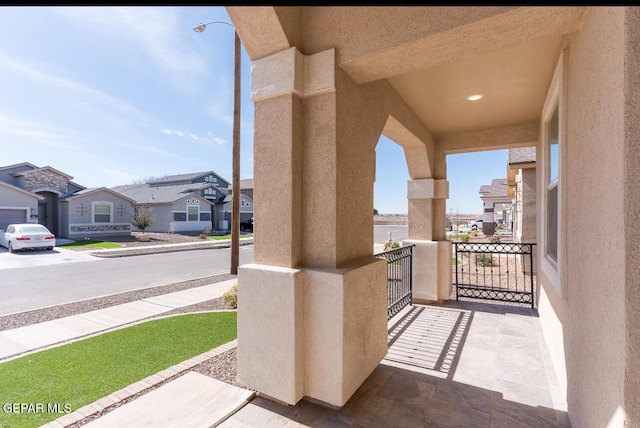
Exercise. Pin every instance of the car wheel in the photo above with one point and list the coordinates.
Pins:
(49, 248)
(11, 250)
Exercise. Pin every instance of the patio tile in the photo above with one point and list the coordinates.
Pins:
(384, 413)
(408, 387)
(372, 384)
(506, 413)
(529, 395)
(446, 414)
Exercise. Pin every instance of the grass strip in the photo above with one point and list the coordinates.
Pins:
(228, 236)
(91, 243)
(60, 380)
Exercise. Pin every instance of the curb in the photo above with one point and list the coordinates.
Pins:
(169, 248)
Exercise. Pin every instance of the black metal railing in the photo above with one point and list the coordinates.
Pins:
(495, 271)
(399, 286)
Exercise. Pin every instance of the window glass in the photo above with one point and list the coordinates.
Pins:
(179, 216)
(553, 136)
(552, 186)
(552, 223)
(192, 213)
(102, 213)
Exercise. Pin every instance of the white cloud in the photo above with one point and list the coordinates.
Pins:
(49, 78)
(155, 31)
(34, 131)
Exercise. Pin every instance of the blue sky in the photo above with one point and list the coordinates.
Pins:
(113, 95)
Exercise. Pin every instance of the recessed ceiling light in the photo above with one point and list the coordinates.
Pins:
(475, 97)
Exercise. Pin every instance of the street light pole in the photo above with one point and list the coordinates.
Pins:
(235, 179)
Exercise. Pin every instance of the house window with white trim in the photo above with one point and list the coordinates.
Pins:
(102, 212)
(192, 213)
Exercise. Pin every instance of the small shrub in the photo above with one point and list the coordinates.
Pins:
(206, 231)
(231, 296)
(390, 245)
(464, 238)
(202, 236)
(473, 233)
(142, 218)
(485, 260)
(495, 239)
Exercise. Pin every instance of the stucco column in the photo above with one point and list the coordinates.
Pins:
(432, 252)
(312, 307)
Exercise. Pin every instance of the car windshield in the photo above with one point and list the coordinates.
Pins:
(33, 229)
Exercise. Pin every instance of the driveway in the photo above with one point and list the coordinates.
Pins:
(36, 258)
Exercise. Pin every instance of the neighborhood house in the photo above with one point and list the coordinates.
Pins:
(31, 194)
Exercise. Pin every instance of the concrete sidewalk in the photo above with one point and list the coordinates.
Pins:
(189, 400)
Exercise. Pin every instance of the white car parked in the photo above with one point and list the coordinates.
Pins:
(27, 236)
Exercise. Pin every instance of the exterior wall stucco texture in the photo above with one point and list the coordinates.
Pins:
(592, 267)
(632, 213)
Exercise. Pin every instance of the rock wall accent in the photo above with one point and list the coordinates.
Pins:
(43, 180)
(99, 228)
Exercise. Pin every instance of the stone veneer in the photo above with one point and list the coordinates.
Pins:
(45, 180)
(99, 228)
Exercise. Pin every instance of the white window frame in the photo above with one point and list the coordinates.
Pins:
(556, 96)
(93, 212)
(197, 207)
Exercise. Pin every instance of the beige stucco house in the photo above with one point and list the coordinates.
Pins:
(327, 82)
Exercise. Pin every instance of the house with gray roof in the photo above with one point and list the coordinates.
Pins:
(495, 198)
(176, 208)
(45, 195)
(166, 196)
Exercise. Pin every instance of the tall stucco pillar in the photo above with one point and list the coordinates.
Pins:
(312, 306)
(432, 252)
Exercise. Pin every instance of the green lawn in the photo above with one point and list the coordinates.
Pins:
(90, 243)
(79, 373)
(228, 236)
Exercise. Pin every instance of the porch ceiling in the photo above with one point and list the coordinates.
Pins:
(433, 56)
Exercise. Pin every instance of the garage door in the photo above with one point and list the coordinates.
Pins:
(8, 216)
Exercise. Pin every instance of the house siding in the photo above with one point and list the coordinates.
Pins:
(79, 220)
(12, 200)
(162, 217)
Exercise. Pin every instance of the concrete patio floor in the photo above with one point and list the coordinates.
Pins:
(456, 364)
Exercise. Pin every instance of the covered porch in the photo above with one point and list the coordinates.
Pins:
(462, 364)
(327, 83)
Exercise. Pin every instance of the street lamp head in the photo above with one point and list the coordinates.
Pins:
(199, 28)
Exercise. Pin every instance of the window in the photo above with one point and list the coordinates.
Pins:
(206, 179)
(552, 185)
(205, 216)
(192, 213)
(552, 140)
(211, 179)
(179, 216)
(102, 212)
